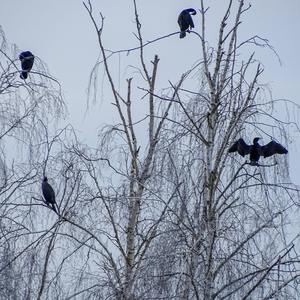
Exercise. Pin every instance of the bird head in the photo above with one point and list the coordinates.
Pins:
(26, 55)
(45, 179)
(191, 11)
(255, 140)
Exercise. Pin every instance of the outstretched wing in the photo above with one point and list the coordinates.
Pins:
(272, 148)
(241, 147)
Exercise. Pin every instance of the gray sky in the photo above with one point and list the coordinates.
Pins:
(61, 34)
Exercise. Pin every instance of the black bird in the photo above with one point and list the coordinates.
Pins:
(256, 150)
(48, 193)
(27, 59)
(185, 21)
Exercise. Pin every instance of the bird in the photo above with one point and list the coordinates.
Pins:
(27, 59)
(185, 21)
(256, 150)
(48, 193)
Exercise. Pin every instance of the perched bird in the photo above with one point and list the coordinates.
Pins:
(48, 193)
(185, 21)
(256, 150)
(27, 59)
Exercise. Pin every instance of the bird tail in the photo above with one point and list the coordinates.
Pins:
(24, 75)
(182, 34)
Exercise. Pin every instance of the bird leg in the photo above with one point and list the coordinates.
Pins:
(53, 207)
(48, 204)
(252, 163)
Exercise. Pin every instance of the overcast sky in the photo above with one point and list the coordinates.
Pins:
(61, 34)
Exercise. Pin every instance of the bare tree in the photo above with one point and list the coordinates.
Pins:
(159, 209)
(23, 104)
(231, 219)
(228, 223)
(176, 217)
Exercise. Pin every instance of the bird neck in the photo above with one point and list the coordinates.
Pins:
(255, 143)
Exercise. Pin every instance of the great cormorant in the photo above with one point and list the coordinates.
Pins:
(256, 150)
(48, 193)
(27, 59)
(185, 21)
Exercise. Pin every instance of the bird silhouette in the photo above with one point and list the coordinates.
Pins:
(256, 150)
(185, 21)
(48, 194)
(27, 59)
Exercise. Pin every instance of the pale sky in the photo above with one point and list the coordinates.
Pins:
(61, 34)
